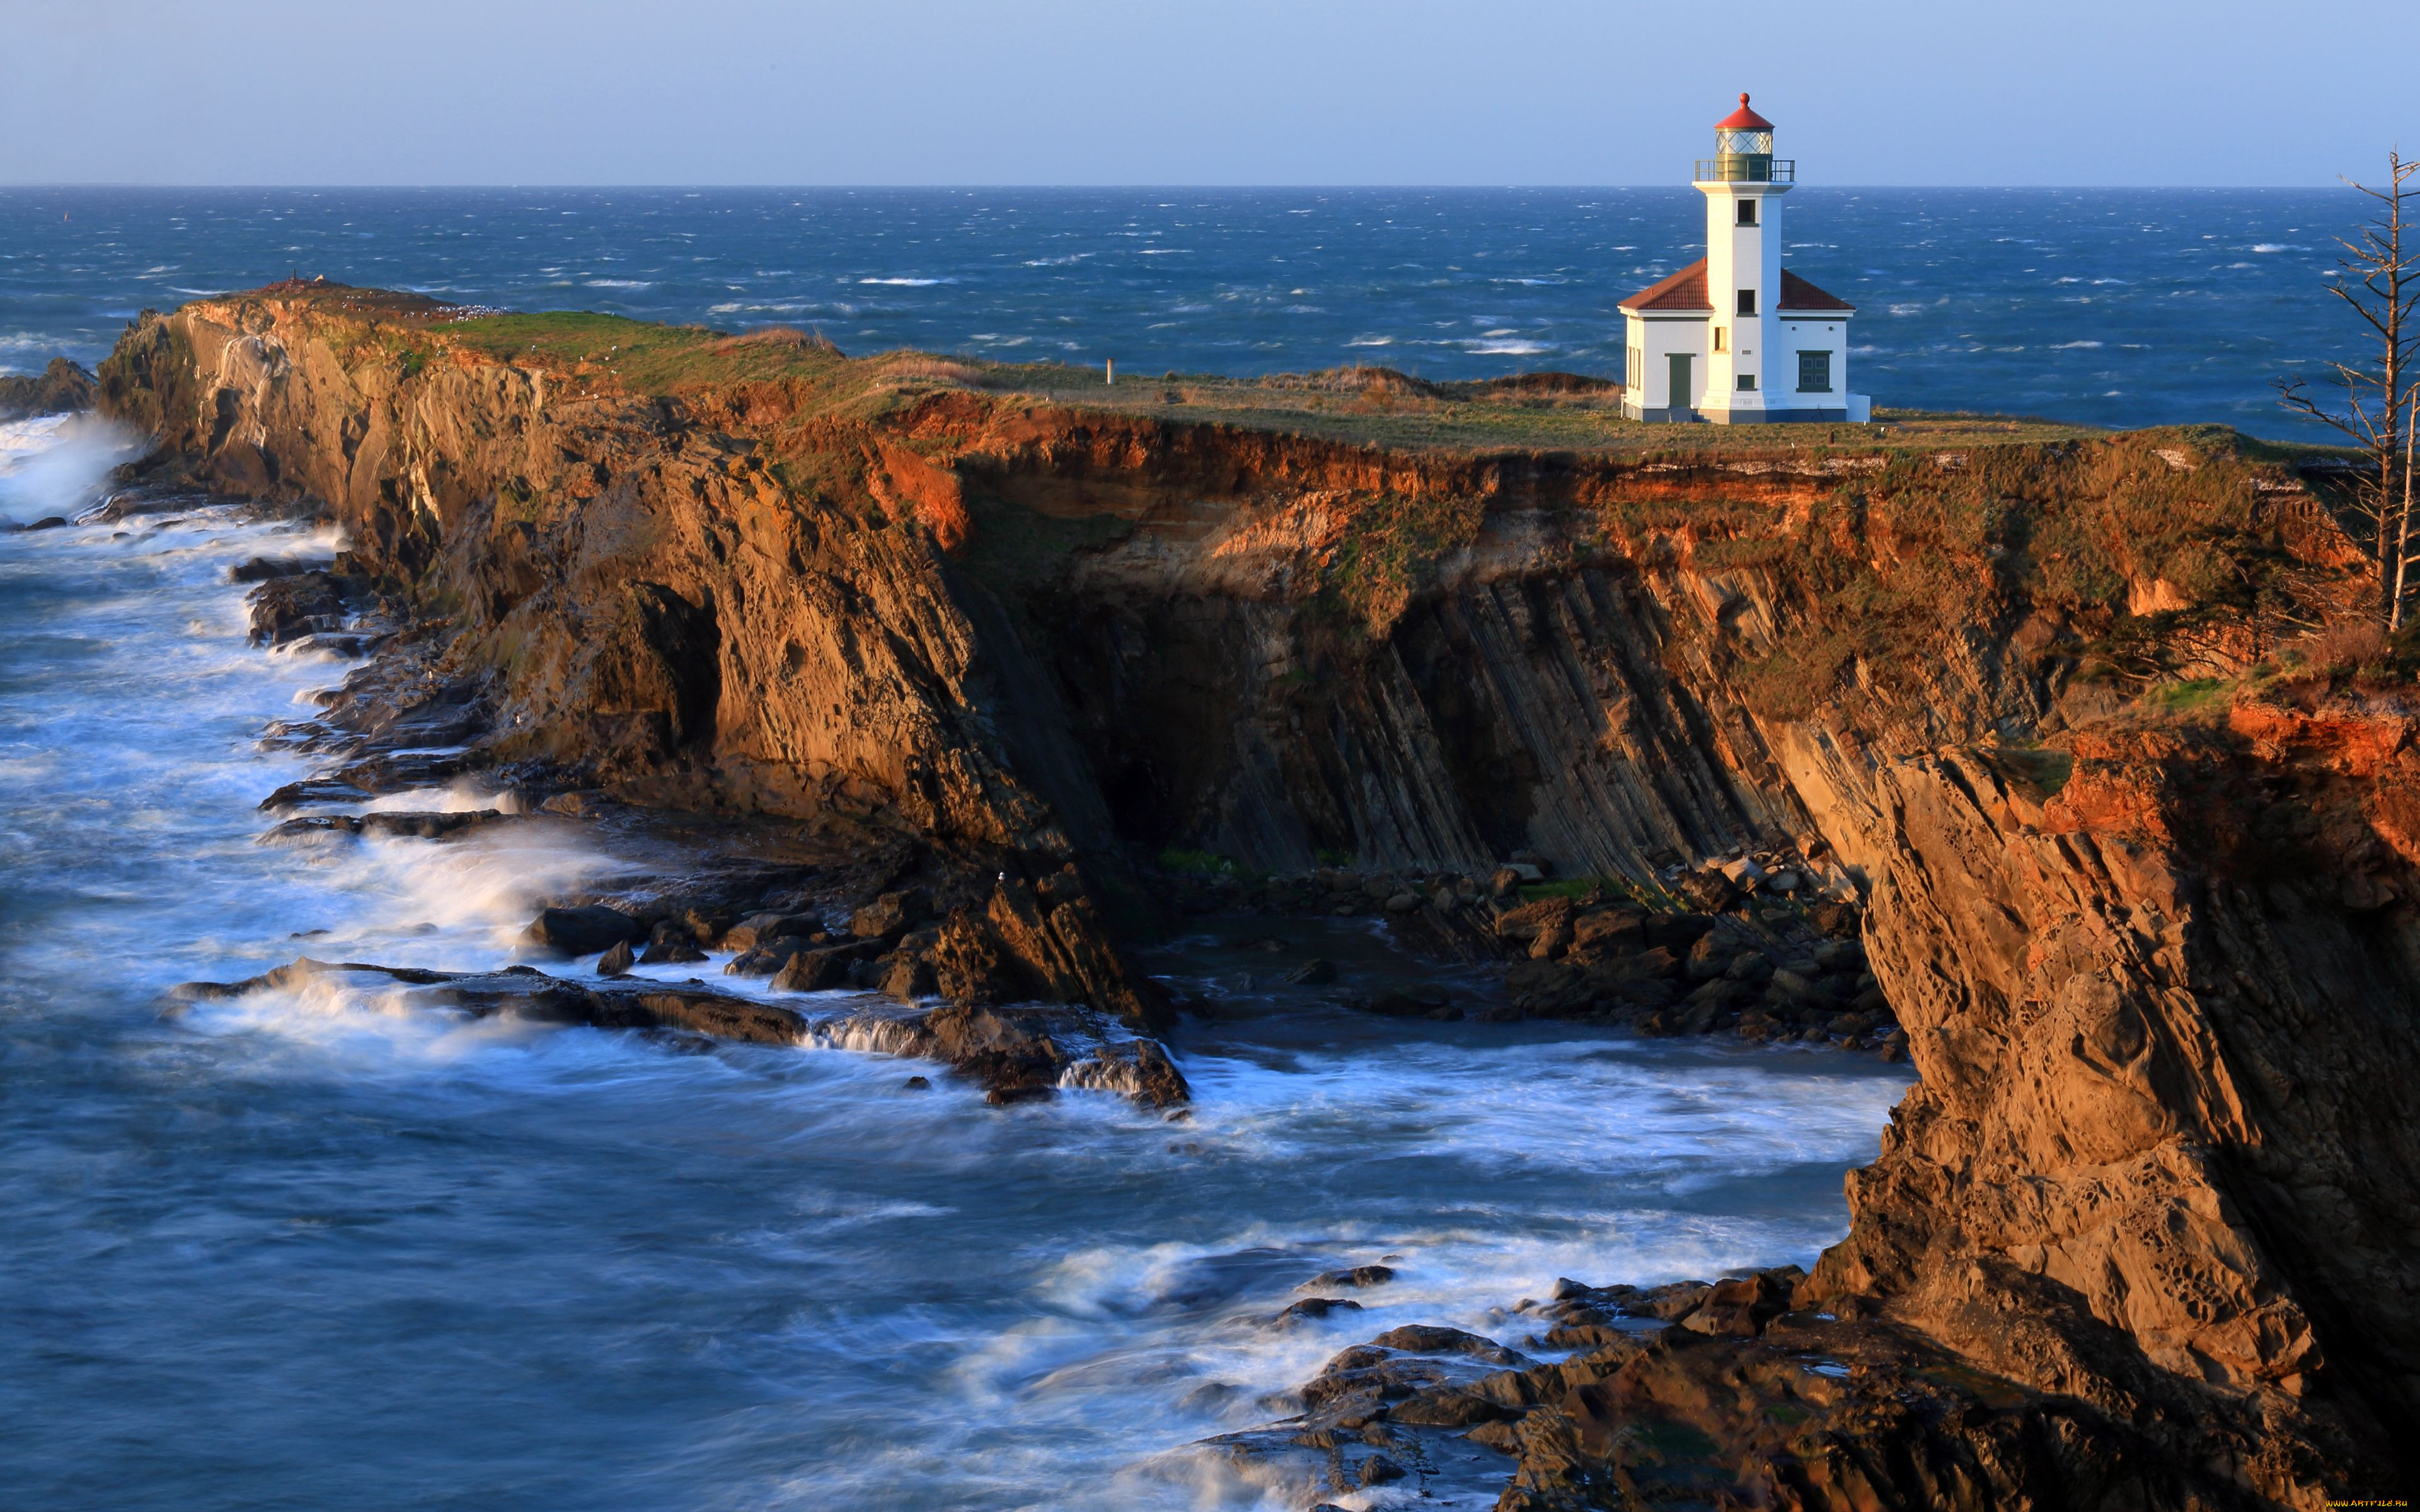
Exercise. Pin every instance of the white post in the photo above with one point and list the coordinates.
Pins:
(1109, 367)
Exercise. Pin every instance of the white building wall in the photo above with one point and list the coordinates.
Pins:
(1742, 257)
(1656, 339)
(1827, 332)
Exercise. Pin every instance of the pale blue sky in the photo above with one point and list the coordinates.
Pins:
(2224, 92)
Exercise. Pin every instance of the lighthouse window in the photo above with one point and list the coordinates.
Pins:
(1814, 372)
(1747, 382)
(1747, 302)
(1747, 212)
(1721, 344)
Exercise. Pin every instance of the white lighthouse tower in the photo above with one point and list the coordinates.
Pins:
(1735, 337)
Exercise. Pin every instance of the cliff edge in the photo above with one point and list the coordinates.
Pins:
(2091, 718)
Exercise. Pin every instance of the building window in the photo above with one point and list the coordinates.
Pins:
(1722, 342)
(1633, 367)
(1747, 382)
(1747, 212)
(1814, 372)
(1747, 302)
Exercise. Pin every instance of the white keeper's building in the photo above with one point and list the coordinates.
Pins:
(1735, 337)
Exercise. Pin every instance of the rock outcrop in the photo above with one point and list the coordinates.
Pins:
(2142, 893)
(62, 388)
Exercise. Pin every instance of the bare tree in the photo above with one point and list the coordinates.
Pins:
(2382, 400)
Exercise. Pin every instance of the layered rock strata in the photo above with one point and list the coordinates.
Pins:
(2143, 906)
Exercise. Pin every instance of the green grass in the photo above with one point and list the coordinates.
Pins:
(641, 356)
(2038, 771)
(1372, 407)
(2191, 696)
(1651, 896)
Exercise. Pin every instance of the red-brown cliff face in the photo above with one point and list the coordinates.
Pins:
(2157, 963)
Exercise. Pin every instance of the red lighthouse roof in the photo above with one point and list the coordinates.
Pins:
(1743, 119)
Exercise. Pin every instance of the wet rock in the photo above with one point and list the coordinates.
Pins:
(1738, 1308)
(917, 1083)
(766, 960)
(1140, 1070)
(48, 522)
(910, 978)
(429, 825)
(1407, 1002)
(764, 929)
(1313, 973)
(1426, 1338)
(1371, 1373)
(671, 942)
(892, 913)
(617, 961)
(288, 608)
(1450, 1407)
(1360, 1276)
(583, 931)
(1315, 1307)
(1380, 1471)
(311, 825)
(815, 970)
(261, 569)
(312, 790)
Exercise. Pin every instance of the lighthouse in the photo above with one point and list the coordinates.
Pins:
(1735, 337)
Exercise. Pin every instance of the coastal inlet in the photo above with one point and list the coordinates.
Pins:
(327, 1242)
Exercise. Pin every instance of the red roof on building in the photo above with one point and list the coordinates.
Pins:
(1683, 290)
(1798, 294)
(1743, 119)
(1685, 293)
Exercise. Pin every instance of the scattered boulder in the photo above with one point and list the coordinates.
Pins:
(1428, 1338)
(671, 942)
(615, 962)
(764, 929)
(261, 569)
(1316, 1308)
(892, 913)
(1360, 1276)
(815, 970)
(583, 930)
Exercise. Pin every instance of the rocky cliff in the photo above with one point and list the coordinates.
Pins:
(2089, 718)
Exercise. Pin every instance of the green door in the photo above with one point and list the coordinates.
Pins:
(1682, 409)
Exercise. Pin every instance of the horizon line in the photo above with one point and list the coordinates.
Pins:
(1089, 188)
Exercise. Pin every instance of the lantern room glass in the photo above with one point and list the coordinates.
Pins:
(1745, 156)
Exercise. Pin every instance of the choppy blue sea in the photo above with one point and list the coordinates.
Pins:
(2118, 307)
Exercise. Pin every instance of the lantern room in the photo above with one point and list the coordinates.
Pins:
(1743, 151)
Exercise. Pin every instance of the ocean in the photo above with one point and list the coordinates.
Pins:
(324, 1248)
(2114, 307)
